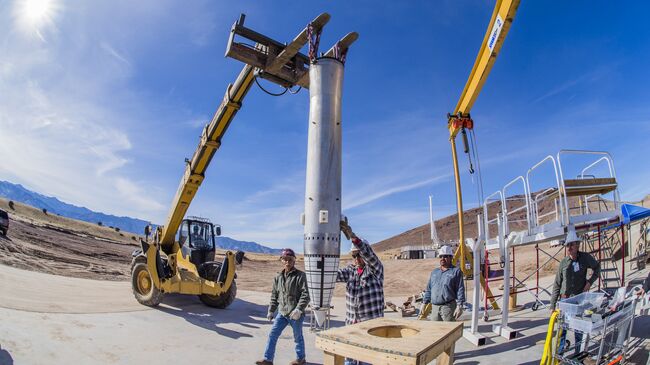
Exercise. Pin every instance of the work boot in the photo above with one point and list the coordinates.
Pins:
(264, 362)
(298, 362)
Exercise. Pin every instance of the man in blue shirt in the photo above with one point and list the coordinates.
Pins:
(445, 290)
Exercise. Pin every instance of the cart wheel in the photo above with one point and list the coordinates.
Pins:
(535, 306)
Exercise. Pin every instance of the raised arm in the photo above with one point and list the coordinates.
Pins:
(372, 261)
(344, 274)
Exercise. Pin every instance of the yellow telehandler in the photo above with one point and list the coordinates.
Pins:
(180, 256)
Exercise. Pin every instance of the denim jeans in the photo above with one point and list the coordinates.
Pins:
(279, 324)
(578, 339)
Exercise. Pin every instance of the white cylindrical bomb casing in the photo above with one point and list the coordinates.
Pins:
(323, 186)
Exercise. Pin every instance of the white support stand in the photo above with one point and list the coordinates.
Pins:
(472, 335)
(502, 329)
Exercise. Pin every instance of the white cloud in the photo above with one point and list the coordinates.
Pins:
(112, 52)
(362, 196)
(64, 117)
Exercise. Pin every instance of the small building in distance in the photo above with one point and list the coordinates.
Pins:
(417, 252)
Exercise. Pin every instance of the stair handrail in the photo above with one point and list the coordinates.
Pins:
(606, 155)
(557, 180)
(505, 206)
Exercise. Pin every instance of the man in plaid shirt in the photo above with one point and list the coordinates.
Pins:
(364, 294)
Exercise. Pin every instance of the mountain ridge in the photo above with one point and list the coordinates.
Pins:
(19, 193)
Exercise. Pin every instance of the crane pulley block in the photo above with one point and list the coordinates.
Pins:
(457, 122)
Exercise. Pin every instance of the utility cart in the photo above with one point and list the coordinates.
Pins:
(605, 330)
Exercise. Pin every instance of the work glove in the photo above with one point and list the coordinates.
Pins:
(295, 314)
(458, 312)
(347, 230)
(424, 313)
(270, 316)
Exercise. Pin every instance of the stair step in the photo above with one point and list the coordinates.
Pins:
(609, 269)
(611, 279)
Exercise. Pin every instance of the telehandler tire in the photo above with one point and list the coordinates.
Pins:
(142, 285)
(220, 301)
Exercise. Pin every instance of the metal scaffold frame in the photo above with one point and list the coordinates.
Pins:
(520, 220)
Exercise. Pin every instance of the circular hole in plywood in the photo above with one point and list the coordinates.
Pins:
(393, 331)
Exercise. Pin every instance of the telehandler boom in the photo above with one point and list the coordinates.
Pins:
(180, 257)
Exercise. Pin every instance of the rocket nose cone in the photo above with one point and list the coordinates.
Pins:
(319, 315)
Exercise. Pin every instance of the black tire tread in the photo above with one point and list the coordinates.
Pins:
(220, 301)
(155, 296)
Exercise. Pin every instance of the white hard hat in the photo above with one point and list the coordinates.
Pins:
(445, 250)
(571, 236)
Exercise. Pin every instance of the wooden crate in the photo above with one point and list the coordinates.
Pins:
(391, 341)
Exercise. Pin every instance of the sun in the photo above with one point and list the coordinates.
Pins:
(35, 16)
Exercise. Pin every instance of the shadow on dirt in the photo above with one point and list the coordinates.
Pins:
(5, 357)
(240, 312)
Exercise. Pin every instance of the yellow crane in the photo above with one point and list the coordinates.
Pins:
(460, 120)
(180, 257)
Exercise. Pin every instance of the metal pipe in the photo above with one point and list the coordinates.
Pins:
(537, 271)
(459, 204)
(622, 255)
(557, 181)
(476, 297)
(434, 234)
(505, 309)
(323, 186)
(600, 256)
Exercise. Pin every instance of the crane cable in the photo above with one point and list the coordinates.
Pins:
(479, 176)
(471, 149)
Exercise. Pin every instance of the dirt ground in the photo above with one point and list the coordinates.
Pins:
(56, 245)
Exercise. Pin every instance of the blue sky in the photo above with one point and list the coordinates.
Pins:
(101, 101)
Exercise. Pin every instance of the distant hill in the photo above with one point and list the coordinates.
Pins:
(447, 227)
(18, 193)
(228, 243)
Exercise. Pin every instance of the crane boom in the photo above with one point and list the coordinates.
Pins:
(500, 22)
(280, 63)
(502, 17)
(209, 143)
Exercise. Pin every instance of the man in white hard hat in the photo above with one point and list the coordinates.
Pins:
(571, 278)
(445, 291)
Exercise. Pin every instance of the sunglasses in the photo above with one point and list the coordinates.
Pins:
(355, 255)
(446, 256)
(287, 258)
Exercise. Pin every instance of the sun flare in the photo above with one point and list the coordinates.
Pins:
(35, 16)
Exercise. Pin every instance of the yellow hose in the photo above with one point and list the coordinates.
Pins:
(547, 355)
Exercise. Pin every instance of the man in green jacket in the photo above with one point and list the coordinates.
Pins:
(571, 279)
(289, 297)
